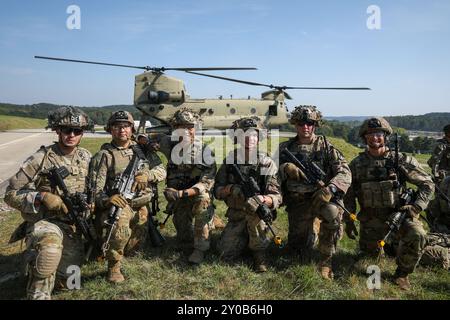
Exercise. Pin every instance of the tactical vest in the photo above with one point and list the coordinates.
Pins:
(315, 152)
(185, 175)
(379, 188)
(248, 170)
(77, 165)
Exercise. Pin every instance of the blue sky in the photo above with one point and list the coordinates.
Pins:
(296, 43)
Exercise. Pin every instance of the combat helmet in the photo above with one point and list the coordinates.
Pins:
(304, 113)
(69, 116)
(120, 116)
(246, 123)
(373, 125)
(446, 129)
(185, 117)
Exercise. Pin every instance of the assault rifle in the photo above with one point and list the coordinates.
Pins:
(251, 189)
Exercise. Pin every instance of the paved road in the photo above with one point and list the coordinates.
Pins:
(17, 145)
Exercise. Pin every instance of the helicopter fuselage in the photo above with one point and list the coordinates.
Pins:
(159, 96)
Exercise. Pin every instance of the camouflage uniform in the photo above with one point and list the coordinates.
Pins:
(110, 162)
(377, 187)
(437, 251)
(192, 215)
(52, 241)
(298, 194)
(439, 211)
(244, 228)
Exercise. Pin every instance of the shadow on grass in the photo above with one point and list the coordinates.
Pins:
(12, 280)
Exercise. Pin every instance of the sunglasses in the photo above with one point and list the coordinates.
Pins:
(308, 123)
(121, 126)
(76, 131)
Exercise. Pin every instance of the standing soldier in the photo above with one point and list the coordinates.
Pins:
(307, 200)
(190, 178)
(379, 179)
(115, 158)
(53, 242)
(245, 228)
(439, 211)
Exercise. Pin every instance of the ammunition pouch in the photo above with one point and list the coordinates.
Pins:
(379, 194)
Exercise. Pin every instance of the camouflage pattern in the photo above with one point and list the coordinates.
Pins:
(437, 251)
(439, 209)
(298, 196)
(374, 185)
(120, 116)
(185, 117)
(52, 241)
(440, 160)
(305, 114)
(373, 125)
(69, 117)
(192, 216)
(131, 231)
(244, 228)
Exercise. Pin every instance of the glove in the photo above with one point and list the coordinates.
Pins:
(321, 196)
(140, 182)
(412, 210)
(118, 201)
(171, 194)
(350, 229)
(54, 202)
(293, 172)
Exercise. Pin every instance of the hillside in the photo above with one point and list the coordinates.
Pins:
(13, 122)
(40, 110)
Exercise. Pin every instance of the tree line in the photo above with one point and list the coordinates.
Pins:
(99, 115)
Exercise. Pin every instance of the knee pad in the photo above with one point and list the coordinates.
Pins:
(47, 260)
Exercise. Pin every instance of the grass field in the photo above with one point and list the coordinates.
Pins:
(11, 122)
(163, 273)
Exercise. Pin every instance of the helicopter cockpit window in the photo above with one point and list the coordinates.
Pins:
(273, 110)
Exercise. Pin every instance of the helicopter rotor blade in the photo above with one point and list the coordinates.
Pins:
(92, 62)
(276, 87)
(231, 79)
(148, 68)
(326, 88)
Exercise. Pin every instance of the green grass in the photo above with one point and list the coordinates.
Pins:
(163, 273)
(11, 122)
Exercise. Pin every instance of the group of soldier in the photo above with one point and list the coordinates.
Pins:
(251, 184)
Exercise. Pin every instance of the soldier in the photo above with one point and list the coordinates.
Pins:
(110, 162)
(245, 228)
(437, 251)
(190, 177)
(53, 243)
(306, 201)
(379, 178)
(440, 160)
(439, 210)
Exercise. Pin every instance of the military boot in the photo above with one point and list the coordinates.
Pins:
(325, 268)
(259, 261)
(401, 279)
(114, 274)
(196, 256)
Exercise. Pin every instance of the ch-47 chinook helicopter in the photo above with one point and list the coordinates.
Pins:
(158, 96)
